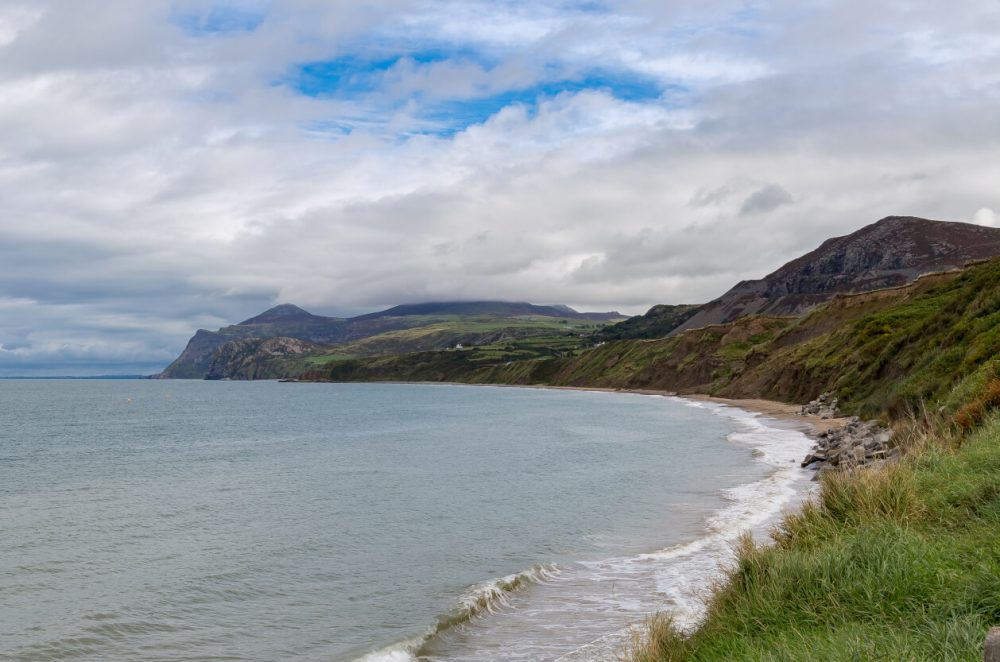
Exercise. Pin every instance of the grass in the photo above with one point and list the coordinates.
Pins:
(884, 354)
(898, 563)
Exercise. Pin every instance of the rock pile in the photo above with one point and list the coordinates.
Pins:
(825, 406)
(857, 444)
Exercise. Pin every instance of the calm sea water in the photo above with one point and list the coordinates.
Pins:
(264, 521)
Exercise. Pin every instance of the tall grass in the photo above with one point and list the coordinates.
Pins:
(897, 563)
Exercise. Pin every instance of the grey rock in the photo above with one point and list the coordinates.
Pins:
(991, 648)
(856, 444)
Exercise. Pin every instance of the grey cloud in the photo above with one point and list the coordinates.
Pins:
(766, 199)
(706, 197)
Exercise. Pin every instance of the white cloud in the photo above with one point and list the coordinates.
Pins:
(14, 19)
(153, 181)
(987, 217)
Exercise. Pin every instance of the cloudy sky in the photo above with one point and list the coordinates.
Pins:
(167, 165)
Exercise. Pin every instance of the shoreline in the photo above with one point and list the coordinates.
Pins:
(810, 424)
(753, 508)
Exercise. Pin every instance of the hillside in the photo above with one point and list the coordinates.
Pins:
(890, 252)
(657, 322)
(883, 352)
(397, 330)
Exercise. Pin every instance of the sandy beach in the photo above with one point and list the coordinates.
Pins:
(780, 411)
(808, 423)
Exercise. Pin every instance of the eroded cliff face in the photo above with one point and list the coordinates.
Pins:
(892, 252)
(255, 358)
(195, 360)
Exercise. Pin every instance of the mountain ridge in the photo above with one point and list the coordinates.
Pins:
(890, 252)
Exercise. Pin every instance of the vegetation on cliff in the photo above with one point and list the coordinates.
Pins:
(887, 253)
(657, 322)
(928, 345)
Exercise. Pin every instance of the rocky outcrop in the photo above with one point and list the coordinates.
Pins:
(196, 359)
(857, 444)
(892, 252)
(825, 406)
(255, 358)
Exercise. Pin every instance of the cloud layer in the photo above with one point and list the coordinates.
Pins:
(166, 166)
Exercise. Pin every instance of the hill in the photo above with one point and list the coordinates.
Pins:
(933, 342)
(890, 252)
(886, 352)
(401, 329)
(658, 322)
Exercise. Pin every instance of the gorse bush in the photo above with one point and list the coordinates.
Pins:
(971, 414)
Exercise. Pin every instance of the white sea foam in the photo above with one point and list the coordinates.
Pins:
(683, 574)
(404, 651)
(690, 567)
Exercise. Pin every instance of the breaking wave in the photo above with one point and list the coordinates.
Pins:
(486, 598)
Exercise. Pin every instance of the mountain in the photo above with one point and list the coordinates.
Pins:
(888, 253)
(285, 320)
(411, 327)
(287, 313)
(501, 308)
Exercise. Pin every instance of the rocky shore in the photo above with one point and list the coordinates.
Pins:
(856, 444)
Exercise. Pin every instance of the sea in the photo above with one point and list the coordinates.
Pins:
(194, 520)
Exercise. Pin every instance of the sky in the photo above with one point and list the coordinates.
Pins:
(169, 165)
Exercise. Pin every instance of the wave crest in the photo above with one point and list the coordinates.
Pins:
(486, 598)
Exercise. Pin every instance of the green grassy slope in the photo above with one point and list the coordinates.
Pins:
(930, 344)
(657, 322)
(495, 338)
(900, 563)
(474, 364)
(442, 332)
